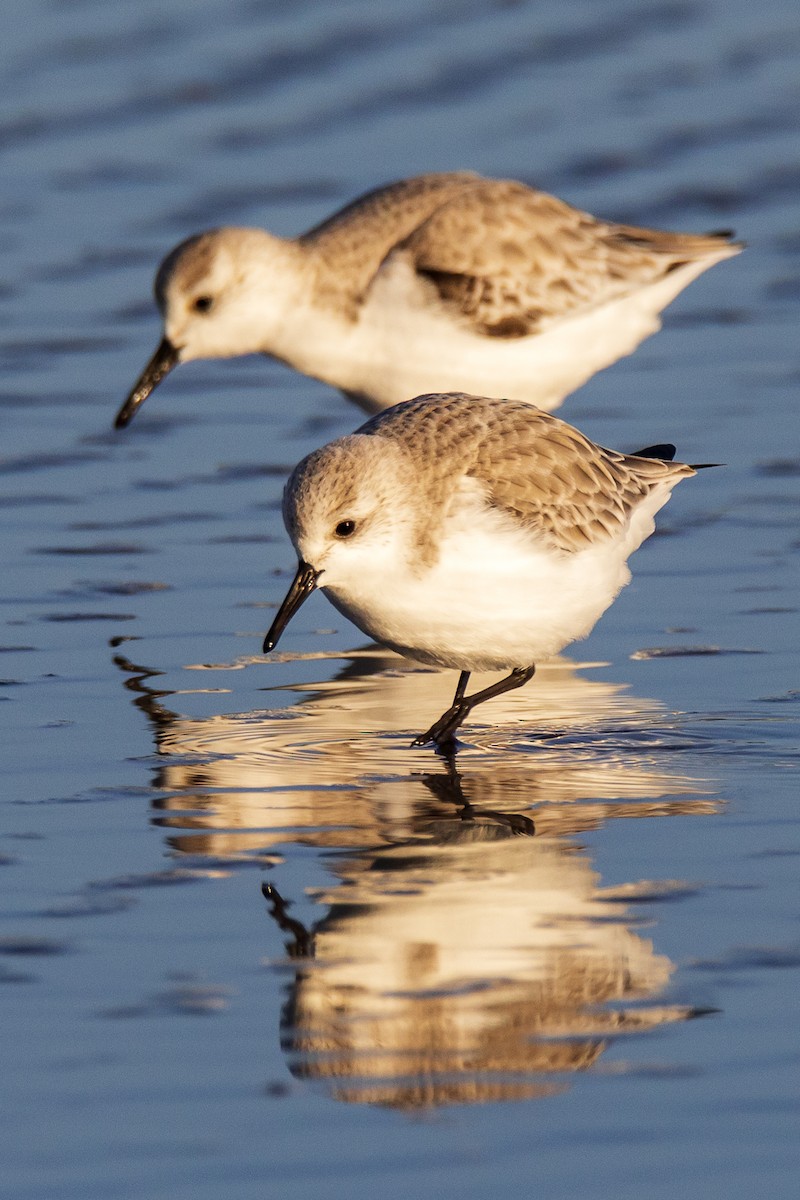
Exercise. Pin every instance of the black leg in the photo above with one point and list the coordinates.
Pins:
(449, 789)
(302, 944)
(441, 732)
(461, 686)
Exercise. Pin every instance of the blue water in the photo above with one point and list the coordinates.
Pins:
(571, 968)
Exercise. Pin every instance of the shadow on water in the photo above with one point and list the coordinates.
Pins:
(466, 950)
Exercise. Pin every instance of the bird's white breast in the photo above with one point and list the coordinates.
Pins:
(495, 599)
(405, 343)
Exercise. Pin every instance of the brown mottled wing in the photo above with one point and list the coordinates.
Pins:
(563, 487)
(508, 260)
(352, 244)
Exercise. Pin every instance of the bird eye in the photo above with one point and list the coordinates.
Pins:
(345, 529)
(203, 304)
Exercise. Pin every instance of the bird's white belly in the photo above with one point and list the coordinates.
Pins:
(403, 346)
(488, 604)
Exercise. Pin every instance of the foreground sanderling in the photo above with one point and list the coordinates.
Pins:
(438, 282)
(470, 533)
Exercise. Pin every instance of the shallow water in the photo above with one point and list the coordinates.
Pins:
(483, 981)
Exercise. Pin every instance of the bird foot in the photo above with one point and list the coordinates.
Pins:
(442, 731)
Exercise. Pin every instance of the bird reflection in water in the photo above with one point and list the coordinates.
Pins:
(467, 952)
(474, 963)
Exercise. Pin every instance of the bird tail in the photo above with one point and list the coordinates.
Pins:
(665, 452)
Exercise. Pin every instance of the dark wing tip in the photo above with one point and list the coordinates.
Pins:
(662, 450)
(727, 235)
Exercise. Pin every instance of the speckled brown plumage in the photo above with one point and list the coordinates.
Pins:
(351, 245)
(567, 490)
(503, 257)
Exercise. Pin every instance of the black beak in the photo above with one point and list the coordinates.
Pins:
(303, 584)
(165, 358)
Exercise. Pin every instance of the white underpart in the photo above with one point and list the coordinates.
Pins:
(496, 598)
(405, 344)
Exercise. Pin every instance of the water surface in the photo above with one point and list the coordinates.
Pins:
(251, 941)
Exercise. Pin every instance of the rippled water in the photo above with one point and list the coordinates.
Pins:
(252, 942)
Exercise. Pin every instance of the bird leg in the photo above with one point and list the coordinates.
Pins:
(441, 732)
(302, 944)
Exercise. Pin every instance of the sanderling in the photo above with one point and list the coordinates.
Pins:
(440, 282)
(470, 533)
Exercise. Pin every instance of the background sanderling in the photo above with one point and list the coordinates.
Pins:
(439, 282)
